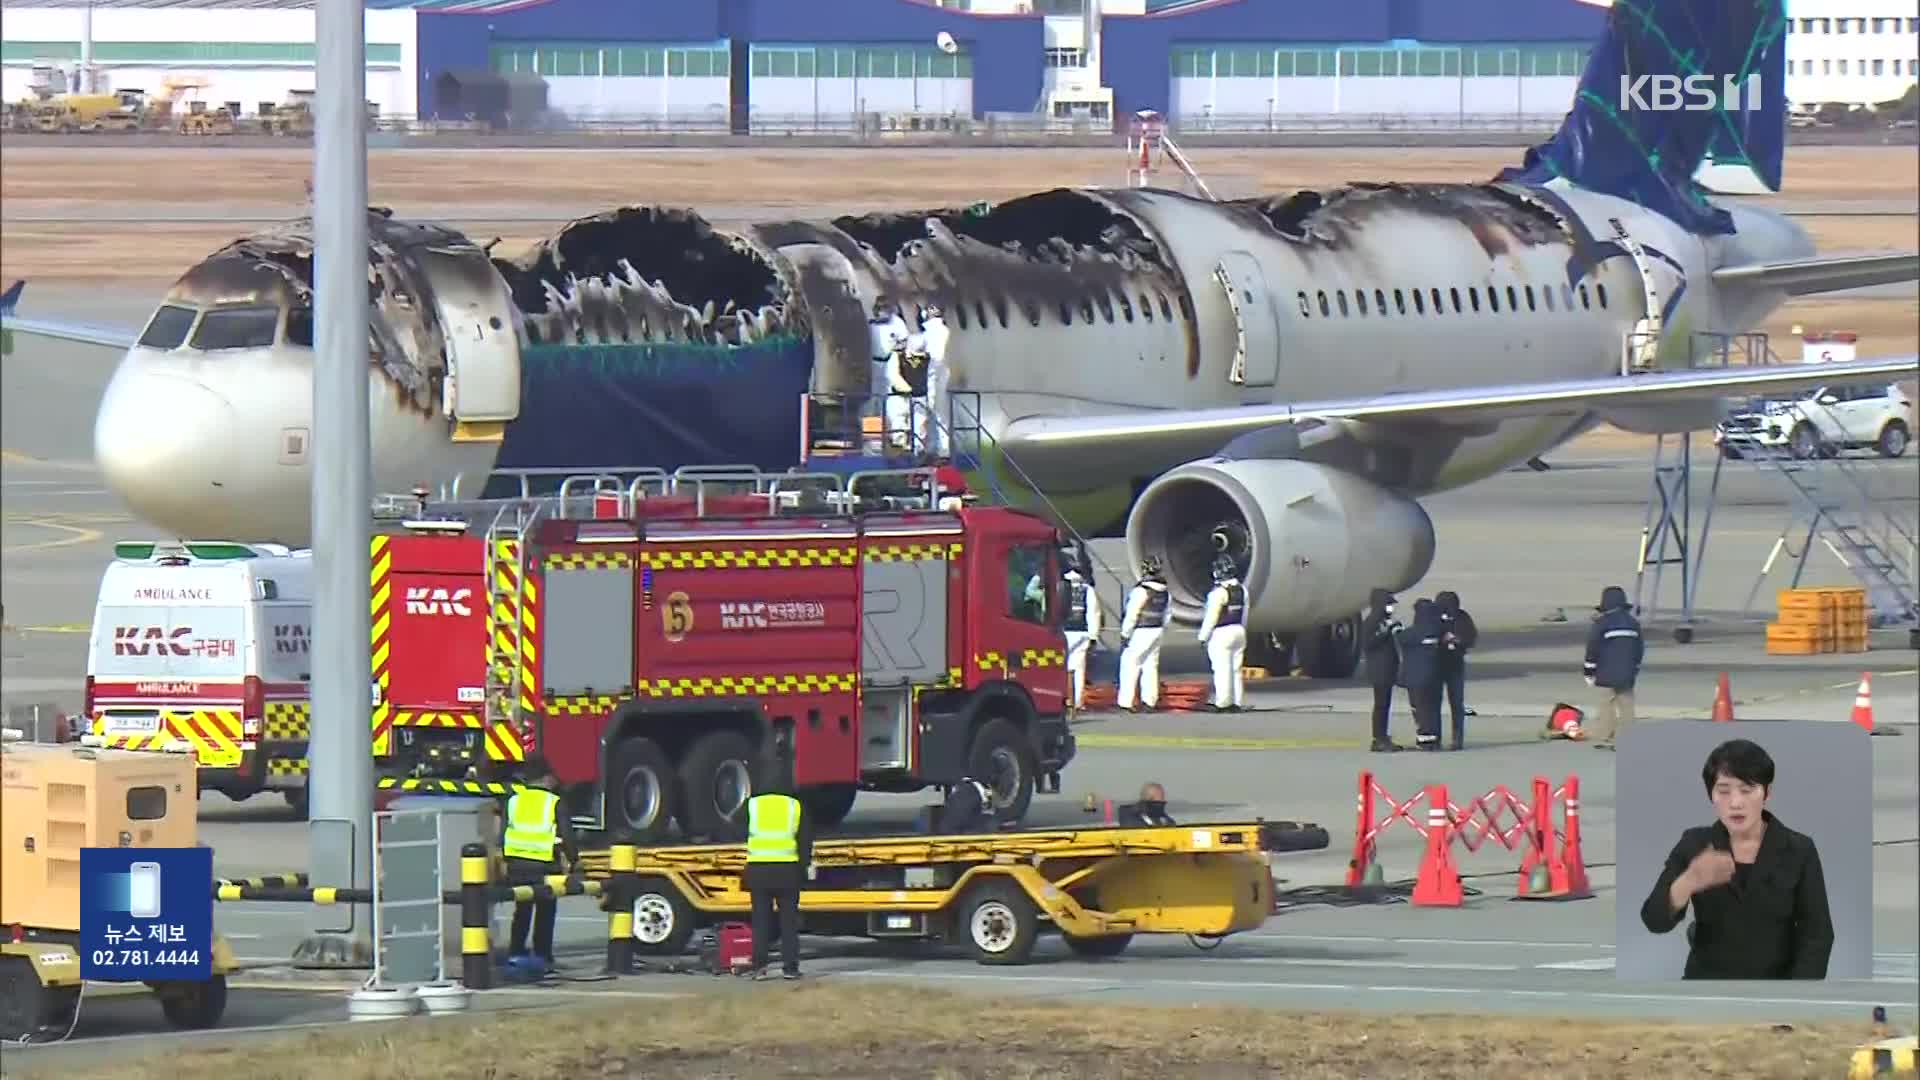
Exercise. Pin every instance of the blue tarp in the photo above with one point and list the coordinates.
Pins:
(1615, 143)
(662, 405)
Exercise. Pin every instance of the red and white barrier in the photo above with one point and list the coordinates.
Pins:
(1532, 833)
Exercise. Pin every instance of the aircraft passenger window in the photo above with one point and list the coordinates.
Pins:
(168, 327)
(1146, 307)
(1380, 301)
(1360, 300)
(1493, 299)
(1126, 307)
(1546, 296)
(1400, 300)
(1086, 312)
(1324, 309)
(1033, 312)
(237, 328)
(1106, 306)
(1000, 311)
(1166, 309)
(1513, 300)
(1186, 308)
(300, 327)
(1530, 305)
(1340, 297)
(1473, 297)
(1602, 291)
(980, 314)
(1066, 313)
(1455, 293)
(1584, 301)
(960, 314)
(1566, 297)
(1420, 306)
(1306, 309)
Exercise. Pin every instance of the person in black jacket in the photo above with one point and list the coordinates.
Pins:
(1615, 651)
(1377, 632)
(1420, 672)
(1150, 812)
(1758, 895)
(1457, 636)
(968, 808)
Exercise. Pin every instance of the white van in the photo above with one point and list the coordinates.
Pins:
(203, 648)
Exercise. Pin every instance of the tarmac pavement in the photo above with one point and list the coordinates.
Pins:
(1520, 548)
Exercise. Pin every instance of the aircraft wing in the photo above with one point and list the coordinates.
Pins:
(1829, 273)
(1205, 431)
(61, 330)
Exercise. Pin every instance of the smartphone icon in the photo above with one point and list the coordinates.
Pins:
(143, 890)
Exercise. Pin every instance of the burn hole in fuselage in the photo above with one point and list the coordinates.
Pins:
(1046, 227)
(676, 248)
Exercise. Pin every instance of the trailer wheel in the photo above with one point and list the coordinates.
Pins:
(642, 789)
(29, 1006)
(716, 779)
(194, 1005)
(830, 804)
(1002, 758)
(1000, 922)
(662, 919)
(1098, 946)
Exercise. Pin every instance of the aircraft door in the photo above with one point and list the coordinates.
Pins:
(483, 347)
(1256, 353)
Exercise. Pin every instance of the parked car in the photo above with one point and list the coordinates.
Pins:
(1826, 421)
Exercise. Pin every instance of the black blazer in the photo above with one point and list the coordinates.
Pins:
(1770, 922)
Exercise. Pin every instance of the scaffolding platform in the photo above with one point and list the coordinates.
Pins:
(1832, 502)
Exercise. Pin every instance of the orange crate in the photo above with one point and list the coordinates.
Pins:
(1804, 616)
(1802, 598)
(1794, 632)
(1790, 647)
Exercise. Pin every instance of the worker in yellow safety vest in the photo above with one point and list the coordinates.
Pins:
(536, 835)
(779, 854)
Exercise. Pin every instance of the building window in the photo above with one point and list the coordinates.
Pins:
(1066, 58)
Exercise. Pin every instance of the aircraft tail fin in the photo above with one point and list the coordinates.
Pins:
(10, 299)
(1671, 85)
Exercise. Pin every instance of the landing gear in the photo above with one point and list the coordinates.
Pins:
(1331, 651)
(1274, 652)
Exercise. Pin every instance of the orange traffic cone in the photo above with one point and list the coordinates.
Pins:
(1863, 702)
(1723, 701)
(1439, 882)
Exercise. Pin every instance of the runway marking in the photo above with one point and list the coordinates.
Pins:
(62, 628)
(1216, 984)
(1115, 741)
(1396, 965)
(76, 534)
(1357, 940)
(1604, 963)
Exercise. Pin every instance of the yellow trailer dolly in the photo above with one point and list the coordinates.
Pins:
(995, 892)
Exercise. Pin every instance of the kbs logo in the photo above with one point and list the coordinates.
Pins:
(422, 600)
(152, 641)
(1694, 93)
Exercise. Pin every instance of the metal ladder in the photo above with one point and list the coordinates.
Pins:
(511, 525)
(1832, 496)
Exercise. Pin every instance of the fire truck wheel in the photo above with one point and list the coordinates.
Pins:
(1000, 923)
(662, 919)
(1003, 759)
(644, 789)
(830, 804)
(716, 779)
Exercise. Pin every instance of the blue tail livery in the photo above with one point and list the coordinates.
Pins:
(1672, 82)
(10, 299)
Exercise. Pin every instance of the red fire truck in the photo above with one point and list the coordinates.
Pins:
(650, 645)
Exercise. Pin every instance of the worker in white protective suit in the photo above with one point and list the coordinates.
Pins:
(1140, 629)
(933, 328)
(1082, 622)
(907, 397)
(887, 335)
(1223, 630)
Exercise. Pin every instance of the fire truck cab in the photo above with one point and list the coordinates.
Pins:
(653, 647)
(201, 647)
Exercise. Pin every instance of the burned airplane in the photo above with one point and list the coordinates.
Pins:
(1277, 378)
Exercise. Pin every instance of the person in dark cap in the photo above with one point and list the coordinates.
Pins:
(1382, 652)
(1615, 651)
(1458, 634)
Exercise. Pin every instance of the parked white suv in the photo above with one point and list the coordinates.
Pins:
(1826, 421)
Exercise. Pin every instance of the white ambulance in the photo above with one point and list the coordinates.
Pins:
(203, 648)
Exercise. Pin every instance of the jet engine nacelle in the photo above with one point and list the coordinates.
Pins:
(1310, 542)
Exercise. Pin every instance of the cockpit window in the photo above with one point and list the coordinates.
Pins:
(237, 328)
(300, 327)
(168, 328)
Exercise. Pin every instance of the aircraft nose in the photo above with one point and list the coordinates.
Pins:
(161, 442)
